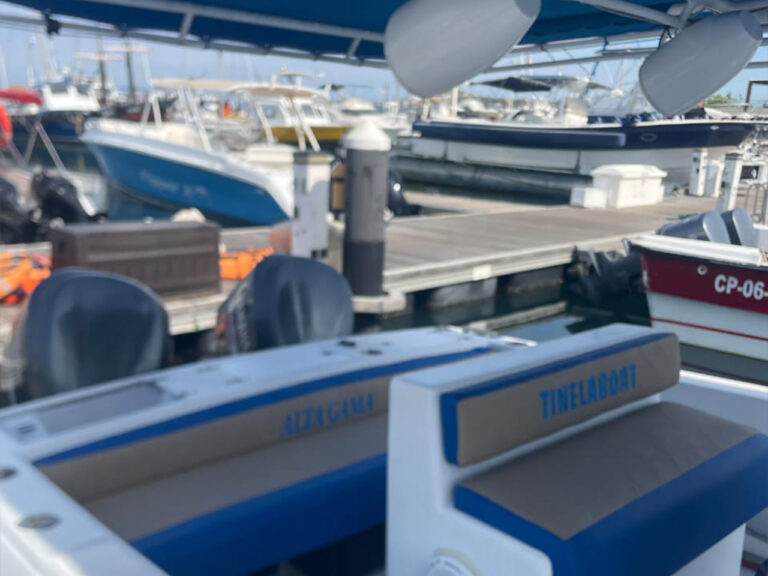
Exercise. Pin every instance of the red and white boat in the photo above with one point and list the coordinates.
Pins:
(713, 295)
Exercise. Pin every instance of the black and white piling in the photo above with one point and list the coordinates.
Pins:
(367, 172)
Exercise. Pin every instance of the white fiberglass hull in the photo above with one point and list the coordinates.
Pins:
(176, 176)
(675, 161)
(710, 326)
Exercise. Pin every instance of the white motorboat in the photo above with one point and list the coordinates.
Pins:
(711, 288)
(499, 455)
(161, 166)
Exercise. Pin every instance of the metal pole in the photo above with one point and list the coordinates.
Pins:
(367, 177)
(129, 71)
(102, 74)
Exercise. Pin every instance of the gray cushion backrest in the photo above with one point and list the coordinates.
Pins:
(584, 376)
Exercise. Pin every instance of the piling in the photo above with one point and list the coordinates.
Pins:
(366, 181)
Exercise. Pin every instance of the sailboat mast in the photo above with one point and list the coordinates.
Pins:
(129, 71)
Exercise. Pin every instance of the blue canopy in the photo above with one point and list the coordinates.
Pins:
(352, 28)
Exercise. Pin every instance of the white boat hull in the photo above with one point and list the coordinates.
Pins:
(675, 161)
(710, 326)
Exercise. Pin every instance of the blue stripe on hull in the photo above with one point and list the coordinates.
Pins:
(175, 186)
(681, 135)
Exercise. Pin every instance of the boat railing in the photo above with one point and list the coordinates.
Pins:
(35, 126)
(755, 201)
(190, 110)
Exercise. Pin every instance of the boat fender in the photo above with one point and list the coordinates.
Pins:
(6, 127)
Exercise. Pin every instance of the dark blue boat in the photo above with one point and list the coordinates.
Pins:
(639, 136)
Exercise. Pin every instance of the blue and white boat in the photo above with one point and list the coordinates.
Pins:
(157, 168)
(561, 141)
(64, 111)
(460, 442)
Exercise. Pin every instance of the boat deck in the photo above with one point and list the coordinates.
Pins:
(492, 239)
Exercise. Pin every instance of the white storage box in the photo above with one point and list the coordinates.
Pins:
(628, 185)
(587, 197)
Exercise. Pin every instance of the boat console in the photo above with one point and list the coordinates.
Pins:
(563, 460)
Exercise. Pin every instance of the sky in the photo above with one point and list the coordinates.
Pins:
(172, 61)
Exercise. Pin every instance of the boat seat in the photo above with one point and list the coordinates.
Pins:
(642, 495)
(285, 300)
(565, 463)
(741, 229)
(83, 327)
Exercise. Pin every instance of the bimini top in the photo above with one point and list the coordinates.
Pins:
(320, 27)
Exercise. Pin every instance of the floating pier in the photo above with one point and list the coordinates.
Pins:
(429, 252)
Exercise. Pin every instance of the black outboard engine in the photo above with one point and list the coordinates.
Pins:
(16, 225)
(285, 300)
(82, 327)
(708, 226)
(57, 198)
(396, 201)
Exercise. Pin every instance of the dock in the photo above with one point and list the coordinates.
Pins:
(434, 251)
(487, 239)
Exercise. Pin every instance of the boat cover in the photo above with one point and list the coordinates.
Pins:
(82, 327)
(286, 300)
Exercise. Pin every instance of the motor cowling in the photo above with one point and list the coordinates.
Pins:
(708, 226)
(80, 328)
(57, 198)
(284, 300)
(16, 225)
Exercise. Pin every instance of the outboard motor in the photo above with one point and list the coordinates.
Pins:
(285, 300)
(708, 226)
(80, 328)
(396, 201)
(16, 225)
(57, 198)
(741, 229)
